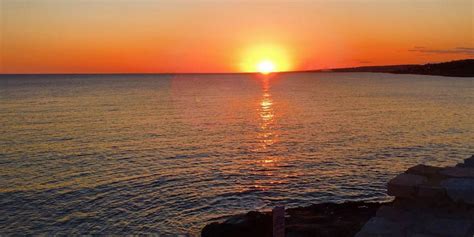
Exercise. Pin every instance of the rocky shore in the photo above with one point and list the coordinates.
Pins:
(325, 220)
(429, 202)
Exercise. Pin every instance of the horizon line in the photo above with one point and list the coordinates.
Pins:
(225, 73)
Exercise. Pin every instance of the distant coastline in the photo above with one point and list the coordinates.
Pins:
(457, 68)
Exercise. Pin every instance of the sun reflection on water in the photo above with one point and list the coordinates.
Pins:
(267, 117)
(267, 166)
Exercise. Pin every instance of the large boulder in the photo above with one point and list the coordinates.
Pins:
(382, 227)
(458, 172)
(405, 185)
(433, 192)
(396, 214)
(424, 170)
(252, 224)
(322, 220)
(459, 190)
(449, 227)
(469, 162)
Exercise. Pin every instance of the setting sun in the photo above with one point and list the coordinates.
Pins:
(199, 117)
(266, 66)
(265, 59)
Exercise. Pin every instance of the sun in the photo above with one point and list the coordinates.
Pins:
(265, 67)
(265, 58)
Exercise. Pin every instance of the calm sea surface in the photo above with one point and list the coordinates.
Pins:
(169, 153)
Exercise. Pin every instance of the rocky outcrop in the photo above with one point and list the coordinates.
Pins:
(250, 224)
(429, 201)
(322, 220)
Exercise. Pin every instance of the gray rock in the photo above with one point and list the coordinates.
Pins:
(458, 172)
(381, 227)
(450, 227)
(405, 185)
(469, 162)
(424, 170)
(459, 189)
(396, 214)
(431, 192)
(421, 235)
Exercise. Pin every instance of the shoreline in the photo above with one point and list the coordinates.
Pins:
(323, 219)
(428, 201)
(455, 68)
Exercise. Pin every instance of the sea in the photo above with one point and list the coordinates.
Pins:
(169, 153)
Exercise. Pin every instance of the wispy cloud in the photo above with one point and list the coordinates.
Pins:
(457, 50)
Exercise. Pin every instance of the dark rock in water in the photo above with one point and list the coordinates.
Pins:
(329, 219)
(460, 189)
(469, 162)
(405, 185)
(323, 220)
(425, 170)
(248, 225)
(458, 172)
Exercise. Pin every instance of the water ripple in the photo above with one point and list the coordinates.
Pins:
(166, 154)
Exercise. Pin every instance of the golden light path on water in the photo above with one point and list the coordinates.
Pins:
(267, 116)
(267, 139)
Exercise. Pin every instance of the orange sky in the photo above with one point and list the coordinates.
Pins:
(99, 36)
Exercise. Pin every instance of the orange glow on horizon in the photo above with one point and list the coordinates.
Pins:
(92, 36)
(266, 59)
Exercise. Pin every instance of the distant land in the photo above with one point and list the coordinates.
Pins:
(458, 68)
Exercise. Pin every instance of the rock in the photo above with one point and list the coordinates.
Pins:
(249, 225)
(450, 227)
(458, 172)
(421, 235)
(433, 192)
(381, 227)
(322, 220)
(329, 219)
(469, 162)
(396, 214)
(424, 170)
(459, 189)
(430, 202)
(405, 185)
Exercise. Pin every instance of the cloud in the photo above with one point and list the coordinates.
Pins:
(457, 50)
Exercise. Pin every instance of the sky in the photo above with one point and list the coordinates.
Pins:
(144, 36)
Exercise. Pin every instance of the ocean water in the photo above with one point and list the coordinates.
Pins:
(115, 154)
